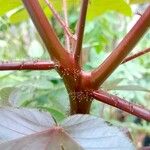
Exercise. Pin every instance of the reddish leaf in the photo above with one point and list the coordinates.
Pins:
(16, 123)
(22, 129)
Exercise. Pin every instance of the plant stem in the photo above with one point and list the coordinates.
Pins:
(46, 31)
(63, 23)
(79, 84)
(27, 65)
(47, 65)
(67, 40)
(124, 48)
(136, 55)
(80, 31)
(122, 104)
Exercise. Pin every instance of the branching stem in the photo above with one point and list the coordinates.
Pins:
(64, 24)
(80, 31)
(67, 40)
(123, 49)
(45, 30)
(79, 84)
(122, 104)
(27, 65)
(136, 55)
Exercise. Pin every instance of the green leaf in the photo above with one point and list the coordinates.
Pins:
(20, 94)
(7, 5)
(112, 84)
(40, 84)
(19, 16)
(138, 1)
(130, 88)
(98, 7)
(59, 116)
(22, 14)
(5, 94)
(35, 49)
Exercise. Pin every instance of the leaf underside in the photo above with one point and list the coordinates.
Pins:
(30, 129)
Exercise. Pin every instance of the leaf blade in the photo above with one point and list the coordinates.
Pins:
(16, 123)
(93, 133)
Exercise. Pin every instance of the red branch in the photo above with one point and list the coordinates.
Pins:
(47, 65)
(45, 30)
(123, 49)
(80, 103)
(63, 24)
(122, 104)
(136, 55)
(65, 10)
(80, 32)
(27, 65)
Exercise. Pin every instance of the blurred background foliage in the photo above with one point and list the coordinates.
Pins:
(107, 23)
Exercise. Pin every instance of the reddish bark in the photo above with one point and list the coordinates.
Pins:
(122, 104)
(80, 32)
(47, 65)
(136, 55)
(45, 30)
(82, 86)
(27, 65)
(122, 50)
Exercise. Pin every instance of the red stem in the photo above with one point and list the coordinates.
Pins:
(27, 65)
(136, 55)
(80, 32)
(78, 82)
(122, 104)
(47, 65)
(67, 40)
(63, 24)
(45, 30)
(123, 49)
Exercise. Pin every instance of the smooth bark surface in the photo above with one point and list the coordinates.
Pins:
(136, 55)
(81, 86)
(80, 31)
(122, 104)
(122, 50)
(45, 30)
(27, 65)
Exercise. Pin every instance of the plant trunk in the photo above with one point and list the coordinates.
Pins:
(80, 102)
(78, 85)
